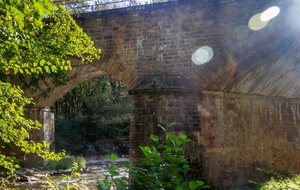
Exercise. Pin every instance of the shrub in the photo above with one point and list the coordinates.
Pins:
(163, 167)
(70, 185)
(278, 181)
(66, 162)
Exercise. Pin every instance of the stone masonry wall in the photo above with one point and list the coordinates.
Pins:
(163, 103)
(46, 133)
(164, 36)
(242, 132)
(232, 134)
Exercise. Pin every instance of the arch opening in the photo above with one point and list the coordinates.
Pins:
(93, 119)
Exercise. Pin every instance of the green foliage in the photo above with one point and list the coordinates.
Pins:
(15, 128)
(278, 181)
(36, 40)
(163, 167)
(66, 162)
(36, 37)
(113, 180)
(70, 185)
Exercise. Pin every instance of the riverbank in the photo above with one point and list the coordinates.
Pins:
(96, 168)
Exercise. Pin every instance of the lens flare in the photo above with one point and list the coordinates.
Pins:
(202, 55)
(255, 23)
(269, 14)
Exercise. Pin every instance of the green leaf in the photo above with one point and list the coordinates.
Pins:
(120, 184)
(206, 187)
(160, 126)
(66, 67)
(66, 177)
(106, 182)
(113, 157)
(158, 160)
(154, 137)
(126, 165)
(184, 184)
(186, 166)
(113, 171)
(53, 68)
(47, 69)
(77, 174)
(42, 62)
(183, 136)
(193, 185)
(200, 183)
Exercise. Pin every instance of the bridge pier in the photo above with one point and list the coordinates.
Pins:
(46, 133)
(164, 99)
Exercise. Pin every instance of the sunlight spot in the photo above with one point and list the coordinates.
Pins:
(202, 55)
(255, 22)
(270, 13)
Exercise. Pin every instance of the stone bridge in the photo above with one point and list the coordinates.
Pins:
(241, 108)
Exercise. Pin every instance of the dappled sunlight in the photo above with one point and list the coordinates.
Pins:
(202, 55)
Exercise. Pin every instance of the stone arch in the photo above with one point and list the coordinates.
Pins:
(265, 63)
(83, 72)
(80, 73)
(117, 69)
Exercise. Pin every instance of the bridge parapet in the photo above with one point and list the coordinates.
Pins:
(89, 6)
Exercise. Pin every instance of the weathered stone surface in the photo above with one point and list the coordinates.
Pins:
(47, 132)
(161, 99)
(46, 118)
(242, 132)
(232, 134)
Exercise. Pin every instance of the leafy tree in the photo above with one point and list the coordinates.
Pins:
(36, 40)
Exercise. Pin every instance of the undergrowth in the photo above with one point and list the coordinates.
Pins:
(164, 167)
(278, 181)
(66, 162)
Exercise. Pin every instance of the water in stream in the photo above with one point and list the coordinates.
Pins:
(95, 171)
